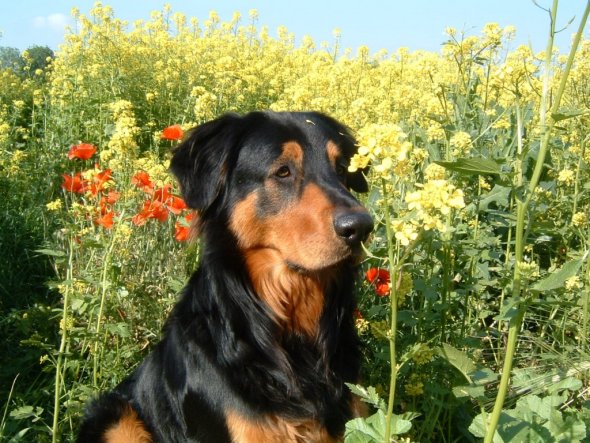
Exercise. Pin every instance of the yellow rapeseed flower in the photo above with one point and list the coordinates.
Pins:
(579, 219)
(55, 205)
(461, 142)
(436, 198)
(566, 177)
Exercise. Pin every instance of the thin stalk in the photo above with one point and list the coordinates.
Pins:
(585, 300)
(103, 295)
(63, 342)
(395, 264)
(6, 406)
(393, 320)
(546, 122)
(577, 179)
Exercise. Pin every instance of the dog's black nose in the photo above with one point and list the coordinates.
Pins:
(353, 227)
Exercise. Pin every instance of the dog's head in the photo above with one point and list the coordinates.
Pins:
(280, 183)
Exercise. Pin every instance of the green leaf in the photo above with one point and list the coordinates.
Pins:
(565, 114)
(509, 309)
(51, 252)
(359, 431)
(25, 412)
(569, 383)
(372, 429)
(368, 395)
(458, 359)
(470, 166)
(469, 391)
(557, 279)
(399, 425)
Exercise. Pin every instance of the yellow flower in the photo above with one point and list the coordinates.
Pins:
(483, 184)
(423, 354)
(405, 232)
(435, 132)
(566, 176)
(579, 219)
(573, 284)
(55, 205)
(385, 147)
(434, 172)
(528, 271)
(436, 198)
(362, 325)
(461, 142)
(414, 386)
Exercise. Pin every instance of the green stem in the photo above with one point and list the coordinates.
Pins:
(547, 123)
(585, 300)
(395, 263)
(103, 295)
(577, 179)
(393, 320)
(62, 346)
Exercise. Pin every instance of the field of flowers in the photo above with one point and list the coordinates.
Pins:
(474, 299)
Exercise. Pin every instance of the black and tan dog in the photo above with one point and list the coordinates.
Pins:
(262, 341)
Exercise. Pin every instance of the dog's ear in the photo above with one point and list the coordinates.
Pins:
(348, 144)
(356, 180)
(200, 162)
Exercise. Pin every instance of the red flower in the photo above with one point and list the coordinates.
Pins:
(162, 194)
(112, 197)
(159, 211)
(105, 220)
(380, 279)
(73, 183)
(173, 132)
(151, 209)
(182, 226)
(99, 180)
(106, 201)
(142, 181)
(175, 205)
(83, 151)
(159, 204)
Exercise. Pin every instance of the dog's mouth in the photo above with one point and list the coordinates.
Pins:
(353, 256)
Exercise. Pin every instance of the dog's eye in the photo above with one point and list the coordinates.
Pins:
(341, 171)
(283, 172)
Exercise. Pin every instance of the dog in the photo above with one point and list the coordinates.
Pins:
(262, 341)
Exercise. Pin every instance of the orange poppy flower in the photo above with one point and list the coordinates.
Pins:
(105, 220)
(83, 151)
(139, 219)
(175, 205)
(143, 181)
(159, 211)
(99, 180)
(74, 183)
(182, 227)
(151, 209)
(173, 132)
(162, 194)
(380, 279)
(112, 197)
(106, 201)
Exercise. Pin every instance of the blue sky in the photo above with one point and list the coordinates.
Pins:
(379, 24)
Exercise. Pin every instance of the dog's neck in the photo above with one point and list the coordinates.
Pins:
(295, 298)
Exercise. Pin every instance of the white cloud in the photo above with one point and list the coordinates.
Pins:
(55, 22)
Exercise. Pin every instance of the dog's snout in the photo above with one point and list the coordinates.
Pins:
(353, 227)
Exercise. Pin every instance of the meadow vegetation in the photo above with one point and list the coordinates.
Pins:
(474, 297)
